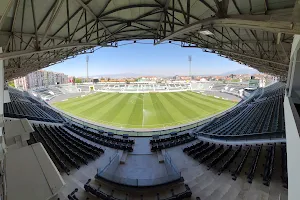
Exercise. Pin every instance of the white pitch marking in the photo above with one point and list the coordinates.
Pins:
(143, 110)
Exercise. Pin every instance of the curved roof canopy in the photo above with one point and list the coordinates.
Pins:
(37, 33)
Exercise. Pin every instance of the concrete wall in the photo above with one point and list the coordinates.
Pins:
(292, 122)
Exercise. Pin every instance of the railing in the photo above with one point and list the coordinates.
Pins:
(256, 136)
(108, 173)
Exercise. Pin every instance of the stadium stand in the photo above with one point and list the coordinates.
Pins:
(262, 35)
(100, 137)
(83, 88)
(262, 113)
(253, 159)
(65, 150)
(72, 146)
(171, 141)
(23, 106)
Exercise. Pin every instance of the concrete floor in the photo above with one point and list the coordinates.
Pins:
(141, 167)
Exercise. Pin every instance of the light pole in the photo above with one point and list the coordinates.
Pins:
(190, 67)
(87, 67)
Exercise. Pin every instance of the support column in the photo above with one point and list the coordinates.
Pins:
(292, 120)
(1, 90)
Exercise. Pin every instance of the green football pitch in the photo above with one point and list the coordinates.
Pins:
(148, 110)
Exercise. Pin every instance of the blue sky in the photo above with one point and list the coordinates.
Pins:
(147, 59)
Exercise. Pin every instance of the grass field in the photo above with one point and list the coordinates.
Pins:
(149, 110)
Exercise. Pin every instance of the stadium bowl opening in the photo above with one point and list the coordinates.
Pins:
(144, 111)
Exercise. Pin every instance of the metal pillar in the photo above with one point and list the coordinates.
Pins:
(293, 82)
(87, 68)
(190, 67)
(1, 90)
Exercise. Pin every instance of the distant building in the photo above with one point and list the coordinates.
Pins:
(148, 78)
(40, 78)
(71, 79)
(176, 77)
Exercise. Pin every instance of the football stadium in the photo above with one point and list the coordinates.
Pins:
(156, 140)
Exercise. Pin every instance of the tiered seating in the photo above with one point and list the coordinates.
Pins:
(84, 88)
(204, 148)
(17, 109)
(101, 138)
(220, 121)
(230, 160)
(263, 115)
(102, 195)
(284, 174)
(163, 143)
(269, 166)
(240, 166)
(33, 100)
(250, 174)
(51, 112)
(24, 106)
(17, 97)
(274, 90)
(65, 150)
(72, 195)
(218, 86)
(236, 158)
(55, 90)
(211, 153)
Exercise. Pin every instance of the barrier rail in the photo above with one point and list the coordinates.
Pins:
(108, 173)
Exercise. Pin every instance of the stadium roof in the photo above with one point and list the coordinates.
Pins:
(37, 33)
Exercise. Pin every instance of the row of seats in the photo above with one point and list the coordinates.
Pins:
(273, 90)
(101, 134)
(263, 114)
(238, 158)
(17, 109)
(251, 172)
(284, 170)
(72, 195)
(79, 142)
(56, 157)
(24, 106)
(66, 153)
(102, 195)
(256, 118)
(99, 138)
(269, 165)
(220, 121)
(163, 143)
(51, 112)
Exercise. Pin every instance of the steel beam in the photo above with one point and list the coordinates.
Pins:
(208, 6)
(52, 19)
(17, 54)
(30, 35)
(94, 16)
(248, 56)
(7, 9)
(236, 6)
(261, 22)
(162, 16)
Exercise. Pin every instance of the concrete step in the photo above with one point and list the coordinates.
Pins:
(216, 189)
(231, 194)
(160, 157)
(123, 157)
